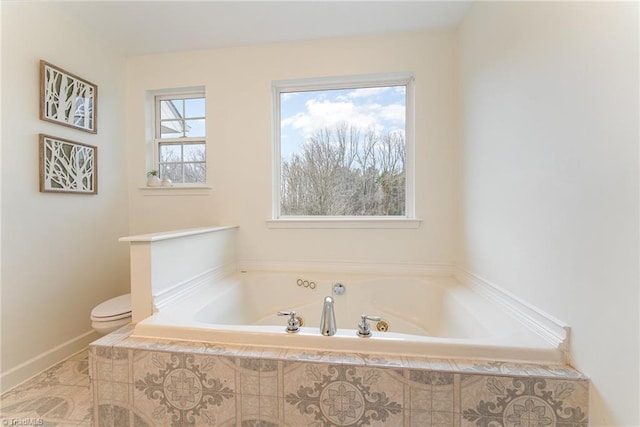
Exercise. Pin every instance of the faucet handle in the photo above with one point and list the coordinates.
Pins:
(364, 329)
(293, 324)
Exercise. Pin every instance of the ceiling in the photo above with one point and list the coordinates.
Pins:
(147, 27)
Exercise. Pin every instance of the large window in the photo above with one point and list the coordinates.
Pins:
(342, 147)
(180, 144)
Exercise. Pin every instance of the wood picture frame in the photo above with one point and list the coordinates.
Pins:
(67, 166)
(67, 99)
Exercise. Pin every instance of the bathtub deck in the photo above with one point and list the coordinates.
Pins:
(154, 382)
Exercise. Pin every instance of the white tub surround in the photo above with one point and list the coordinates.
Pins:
(168, 265)
(186, 285)
(552, 330)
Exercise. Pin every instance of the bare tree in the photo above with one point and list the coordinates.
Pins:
(345, 171)
(186, 165)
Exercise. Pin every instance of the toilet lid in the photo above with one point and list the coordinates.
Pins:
(115, 308)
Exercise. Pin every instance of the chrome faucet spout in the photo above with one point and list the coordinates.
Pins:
(328, 318)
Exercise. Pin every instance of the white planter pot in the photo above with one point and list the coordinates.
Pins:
(153, 181)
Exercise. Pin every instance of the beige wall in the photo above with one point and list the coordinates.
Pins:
(60, 253)
(549, 97)
(238, 87)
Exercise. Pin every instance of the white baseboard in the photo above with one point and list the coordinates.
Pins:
(36, 365)
(548, 327)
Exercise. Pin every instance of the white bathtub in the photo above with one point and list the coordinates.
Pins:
(427, 317)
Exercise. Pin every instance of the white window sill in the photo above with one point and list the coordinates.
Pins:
(186, 190)
(344, 223)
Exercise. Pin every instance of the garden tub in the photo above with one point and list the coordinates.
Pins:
(422, 316)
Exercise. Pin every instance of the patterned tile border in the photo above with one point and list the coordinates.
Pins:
(147, 383)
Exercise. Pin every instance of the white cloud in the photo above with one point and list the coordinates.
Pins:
(285, 96)
(395, 113)
(367, 92)
(296, 121)
(323, 113)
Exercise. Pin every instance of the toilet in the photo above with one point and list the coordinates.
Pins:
(112, 314)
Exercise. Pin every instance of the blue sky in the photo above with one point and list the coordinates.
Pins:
(187, 109)
(382, 109)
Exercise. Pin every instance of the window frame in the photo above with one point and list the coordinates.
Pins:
(156, 137)
(408, 220)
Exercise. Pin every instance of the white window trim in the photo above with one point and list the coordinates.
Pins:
(183, 190)
(346, 82)
(327, 222)
(153, 127)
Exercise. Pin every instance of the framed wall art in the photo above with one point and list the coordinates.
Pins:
(67, 99)
(67, 166)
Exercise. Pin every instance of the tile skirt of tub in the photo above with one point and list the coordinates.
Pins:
(137, 382)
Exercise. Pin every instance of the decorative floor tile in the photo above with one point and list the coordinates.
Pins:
(381, 361)
(270, 373)
(101, 365)
(341, 395)
(428, 364)
(273, 353)
(440, 418)
(516, 400)
(103, 415)
(420, 398)
(121, 366)
(248, 376)
(122, 416)
(272, 409)
(60, 404)
(249, 408)
(117, 416)
(314, 356)
(487, 421)
(554, 371)
(180, 389)
(430, 390)
(58, 396)
(418, 418)
(79, 401)
(489, 367)
(516, 369)
(442, 396)
(114, 393)
(114, 337)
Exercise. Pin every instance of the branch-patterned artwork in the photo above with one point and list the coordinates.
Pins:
(67, 166)
(67, 99)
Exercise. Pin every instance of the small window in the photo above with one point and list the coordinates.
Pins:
(343, 148)
(180, 138)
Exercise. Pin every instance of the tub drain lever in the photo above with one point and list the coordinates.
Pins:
(293, 325)
(364, 329)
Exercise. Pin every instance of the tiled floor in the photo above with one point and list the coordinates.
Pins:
(60, 396)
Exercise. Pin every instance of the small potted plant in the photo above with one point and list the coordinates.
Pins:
(152, 179)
